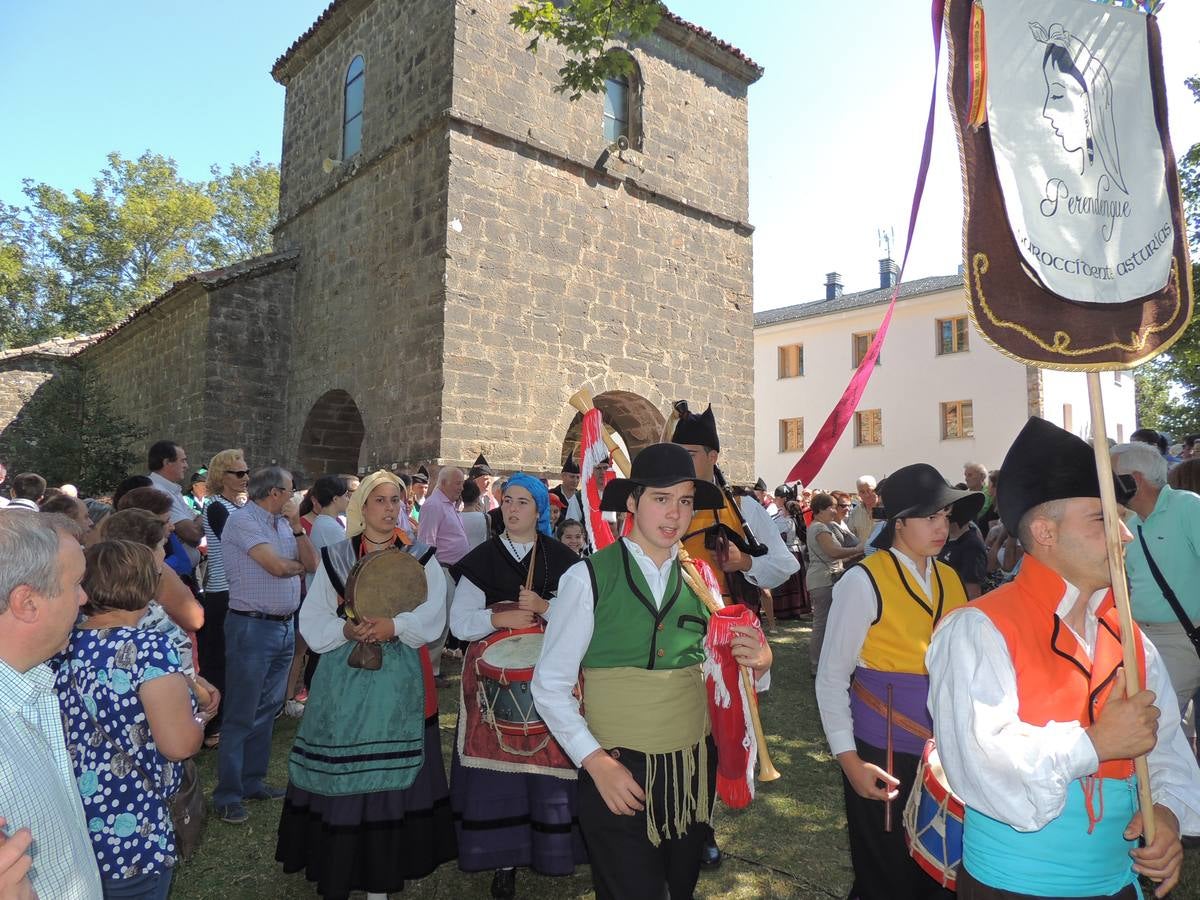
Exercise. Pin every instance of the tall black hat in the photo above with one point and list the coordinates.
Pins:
(760, 485)
(695, 429)
(916, 491)
(1047, 463)
(421, 476)
(659, 466)
(570, 467)
(481, 467)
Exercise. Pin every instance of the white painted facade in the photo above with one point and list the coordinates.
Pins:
(908, 387)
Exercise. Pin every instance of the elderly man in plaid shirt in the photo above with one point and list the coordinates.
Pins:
(40, 598)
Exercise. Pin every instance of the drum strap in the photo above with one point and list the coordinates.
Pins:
(916, 729)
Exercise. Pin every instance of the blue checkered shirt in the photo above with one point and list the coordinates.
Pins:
(251, 587)
(37, 786)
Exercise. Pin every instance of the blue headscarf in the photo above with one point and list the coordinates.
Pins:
(541, 497)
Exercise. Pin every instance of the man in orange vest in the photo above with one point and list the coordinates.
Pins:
(1027, 692)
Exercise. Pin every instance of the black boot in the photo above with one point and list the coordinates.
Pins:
(710, 853)
(504, 884)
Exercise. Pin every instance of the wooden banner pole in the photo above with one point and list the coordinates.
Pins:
(1120, 587)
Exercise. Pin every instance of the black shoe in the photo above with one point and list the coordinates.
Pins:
(504, 884)
(710, 854)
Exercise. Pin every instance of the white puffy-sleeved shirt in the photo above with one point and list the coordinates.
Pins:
(322, 629)
(778, 564)
(470, 619)
(1019, 773)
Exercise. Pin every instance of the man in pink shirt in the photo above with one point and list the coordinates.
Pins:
(441, 527)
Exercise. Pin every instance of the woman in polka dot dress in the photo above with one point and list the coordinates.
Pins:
(129, 718)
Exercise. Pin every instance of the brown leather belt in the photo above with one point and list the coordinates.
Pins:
(912, 726)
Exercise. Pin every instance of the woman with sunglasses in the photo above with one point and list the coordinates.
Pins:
(228, 476)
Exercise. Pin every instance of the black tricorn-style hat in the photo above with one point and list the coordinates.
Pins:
(916, 491)
(1047, 463)
(700, 430)
(421, 476)
(570, 467)
(660, 466)
(760, 485)
(481, 467)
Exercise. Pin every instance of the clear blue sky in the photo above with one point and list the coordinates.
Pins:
(835, 123)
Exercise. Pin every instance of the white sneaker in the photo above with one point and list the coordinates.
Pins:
(293, 709)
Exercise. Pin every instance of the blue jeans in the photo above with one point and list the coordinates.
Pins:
(258, 656)
(151, 886)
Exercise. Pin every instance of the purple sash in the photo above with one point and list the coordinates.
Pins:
(910, 694)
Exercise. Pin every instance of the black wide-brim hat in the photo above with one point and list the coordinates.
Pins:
(660, 466)
(916, 491)
(1047, 463)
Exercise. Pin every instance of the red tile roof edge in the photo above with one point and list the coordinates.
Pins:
(667, 15)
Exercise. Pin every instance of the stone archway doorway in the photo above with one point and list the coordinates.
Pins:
(332, 437)
(637, 422)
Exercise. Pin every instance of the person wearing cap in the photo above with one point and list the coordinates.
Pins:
(570, 482)
(417, 492)
(883, 613)
(483, 475)
(367, 805)
(1027, 691)
(628, 617)
(196, 496)
(575, 505)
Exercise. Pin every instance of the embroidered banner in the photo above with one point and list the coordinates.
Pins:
(1076, 251)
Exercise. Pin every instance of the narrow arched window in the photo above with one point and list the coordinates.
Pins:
(353, 108)
(623, 106)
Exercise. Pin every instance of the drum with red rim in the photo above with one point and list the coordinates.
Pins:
(933, 821)
(504, 667)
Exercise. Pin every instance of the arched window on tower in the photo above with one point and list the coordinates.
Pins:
(623, 106)
(353, 108)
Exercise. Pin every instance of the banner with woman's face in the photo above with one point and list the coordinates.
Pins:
(1076, 252)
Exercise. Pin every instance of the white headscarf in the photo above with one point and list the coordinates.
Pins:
(354, 510)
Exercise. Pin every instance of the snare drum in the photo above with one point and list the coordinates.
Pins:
(933, 821)
(504, 668)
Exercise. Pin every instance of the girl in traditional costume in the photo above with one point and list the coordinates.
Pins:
(511, 808)
(367, 800)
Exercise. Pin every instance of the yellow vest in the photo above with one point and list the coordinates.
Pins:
(905, 617)
(704, 519)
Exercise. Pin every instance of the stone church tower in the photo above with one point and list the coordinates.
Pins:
(460, 249)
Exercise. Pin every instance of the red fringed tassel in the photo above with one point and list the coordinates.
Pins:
(729, 708)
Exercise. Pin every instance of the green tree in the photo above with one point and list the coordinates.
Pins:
(247, 204)
(70, 432)
(1169, 385)
(81, 261)
(586, 29)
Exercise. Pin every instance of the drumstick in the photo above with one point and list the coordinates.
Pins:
(887, 806)
(532, 560)
(766, 769)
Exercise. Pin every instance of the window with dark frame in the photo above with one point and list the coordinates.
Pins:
(791, 361)
(353, 108)
(791, 435)
(868, 428)
(958, 420)
(860, 344)
(952, 335)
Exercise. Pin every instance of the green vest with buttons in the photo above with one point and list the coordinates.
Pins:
(630, 631)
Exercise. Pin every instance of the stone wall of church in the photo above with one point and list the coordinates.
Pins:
(154, 365)
(20, 379)
(632, 276)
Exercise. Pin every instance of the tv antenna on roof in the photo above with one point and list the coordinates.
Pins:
(887, 240)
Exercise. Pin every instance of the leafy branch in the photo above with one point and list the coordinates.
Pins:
(585, 29)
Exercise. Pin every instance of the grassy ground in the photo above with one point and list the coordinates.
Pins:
(790, 843)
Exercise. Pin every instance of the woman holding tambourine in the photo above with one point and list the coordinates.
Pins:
(366, 806)
(512, 787)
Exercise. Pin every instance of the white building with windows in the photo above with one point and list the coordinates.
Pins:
(940, 393)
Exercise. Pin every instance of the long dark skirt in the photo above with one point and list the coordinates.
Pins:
(791, 597)
(511, 819)
(370, 842)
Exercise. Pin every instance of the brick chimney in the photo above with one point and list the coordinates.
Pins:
(833, 286)
(889, 273)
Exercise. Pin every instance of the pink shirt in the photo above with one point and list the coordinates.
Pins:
(441, 526)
